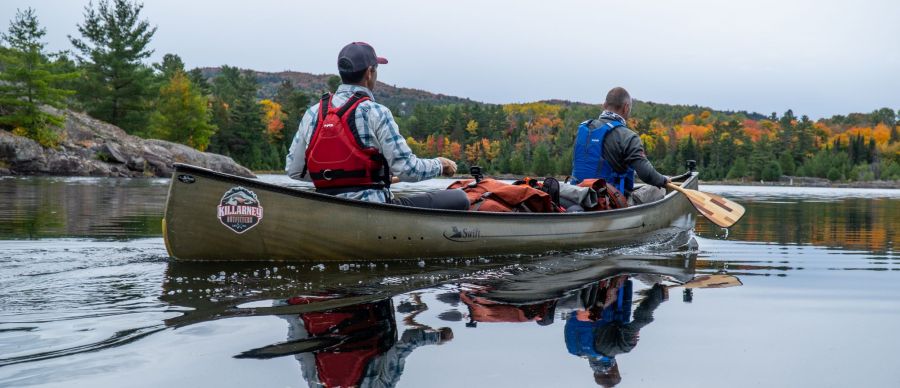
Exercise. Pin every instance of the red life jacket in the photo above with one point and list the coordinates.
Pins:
(336, 156)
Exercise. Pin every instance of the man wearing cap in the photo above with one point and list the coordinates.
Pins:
(375, 132)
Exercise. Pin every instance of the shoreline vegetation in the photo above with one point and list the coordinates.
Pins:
(251, 117)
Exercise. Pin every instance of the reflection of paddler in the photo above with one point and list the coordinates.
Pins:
(366, 330)
(354, 345)
(605, 327)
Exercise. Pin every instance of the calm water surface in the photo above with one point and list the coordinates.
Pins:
(804, 291)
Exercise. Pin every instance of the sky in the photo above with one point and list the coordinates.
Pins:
(819, 58)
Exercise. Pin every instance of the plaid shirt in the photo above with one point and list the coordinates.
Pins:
(378, 129)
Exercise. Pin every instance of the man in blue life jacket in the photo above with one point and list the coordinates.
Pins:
(606, 148)
(378, 152)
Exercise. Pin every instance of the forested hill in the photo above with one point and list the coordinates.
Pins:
(404, 99)
(316, 84)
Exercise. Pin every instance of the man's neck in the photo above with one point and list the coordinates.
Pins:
(613, 115)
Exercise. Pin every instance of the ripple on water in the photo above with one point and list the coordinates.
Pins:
(65, 296)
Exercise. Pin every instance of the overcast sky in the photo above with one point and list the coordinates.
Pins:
(817, 57)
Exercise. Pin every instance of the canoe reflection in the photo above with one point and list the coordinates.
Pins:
(362, 336)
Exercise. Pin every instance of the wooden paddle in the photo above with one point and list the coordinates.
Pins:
(713, 281)
(720, 211)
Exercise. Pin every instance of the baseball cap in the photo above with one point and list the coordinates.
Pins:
(358, 56)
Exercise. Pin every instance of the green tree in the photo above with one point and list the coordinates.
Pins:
(182, 114)
(738, 169)
(171, 64)
(116, 85)
(771, 171)
(834, 174)
(198, 80)
(239, 118)
(333, 83)
(540, 163)
(294, 103)
(517, 163)
(29, 80)
(787, 163)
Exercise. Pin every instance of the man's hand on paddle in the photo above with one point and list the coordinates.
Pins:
(448, 167)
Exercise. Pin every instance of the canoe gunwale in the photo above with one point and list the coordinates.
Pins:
(314, 196)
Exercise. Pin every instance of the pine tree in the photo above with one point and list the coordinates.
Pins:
(171, 64)
(333, 83)
(540, 163)
(771, 172)
(294, 103)
(29, 80)
(786, 161)
(239, 118)
(182, 114)
(738, 169)
(116, 85)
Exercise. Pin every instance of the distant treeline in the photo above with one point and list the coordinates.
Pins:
(231, 112)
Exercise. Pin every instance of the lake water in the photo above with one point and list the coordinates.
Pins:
(804, 291)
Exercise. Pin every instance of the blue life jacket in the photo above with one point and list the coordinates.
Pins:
(587, 159)
(580, 334)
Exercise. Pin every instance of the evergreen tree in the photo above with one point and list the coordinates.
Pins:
(834, 174)
(333, 83)
(116, 85)
(199, 81)
(540, 164)
(517, 163)
(771, 172)
(294, 104)
(239, 118)
(182, 114)
(171, 64)
(29, 80)
(738, 169)
(786, 161)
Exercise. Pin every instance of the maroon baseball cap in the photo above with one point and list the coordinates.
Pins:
(358, 56)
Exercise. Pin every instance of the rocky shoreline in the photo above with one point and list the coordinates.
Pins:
(90, 147)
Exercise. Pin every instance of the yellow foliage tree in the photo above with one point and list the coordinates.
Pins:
(273, 119)
(648, 142)
(472, 127)
(473, 152)
(415, 146)
(491, 149)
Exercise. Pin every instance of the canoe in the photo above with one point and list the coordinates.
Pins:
(211, 216)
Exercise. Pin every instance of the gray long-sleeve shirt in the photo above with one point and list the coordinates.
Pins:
(622, 148)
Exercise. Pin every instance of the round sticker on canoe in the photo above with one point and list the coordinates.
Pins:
(240, 210)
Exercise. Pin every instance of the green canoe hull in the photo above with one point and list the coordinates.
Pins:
(219, 217)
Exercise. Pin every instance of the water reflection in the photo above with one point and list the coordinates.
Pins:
(41, 207)
(869, 224)
(358, 327)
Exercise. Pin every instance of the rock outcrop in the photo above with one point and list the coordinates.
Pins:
(90, 147)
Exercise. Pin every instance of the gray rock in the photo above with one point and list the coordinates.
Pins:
(90, 147)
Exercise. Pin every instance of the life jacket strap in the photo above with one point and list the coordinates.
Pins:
(337, 174)
(323, 111)
(348, 189)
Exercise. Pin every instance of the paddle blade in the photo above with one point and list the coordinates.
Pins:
(713, 281)
(721, 211)
(292, 347)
